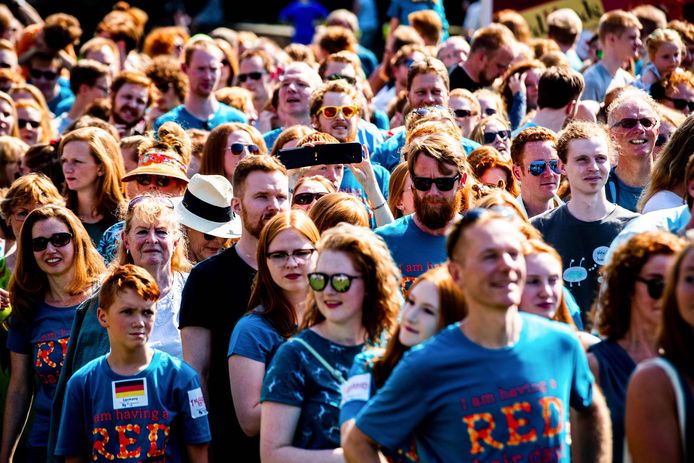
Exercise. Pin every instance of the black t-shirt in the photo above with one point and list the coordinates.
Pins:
(582, 247)
(459, 78)
(215, 297)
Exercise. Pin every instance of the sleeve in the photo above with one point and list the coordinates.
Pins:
(582, 381)
(574, 310)
(590, 92)
(285, 380)
(195, 304)
(383, 178)
(393, 10)
(251, 339)
(517, 110)
(72, 438)
(194, 412)
(357, 390)
(18, 338)
(392, 415)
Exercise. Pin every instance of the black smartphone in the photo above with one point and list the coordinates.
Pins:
(327, 153)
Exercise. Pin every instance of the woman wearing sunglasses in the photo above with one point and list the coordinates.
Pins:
(627, 315)
(57, 267)
(93, 167)
(433, 302)
(226, 145)
(495, 132)
(493, 170)
(308, 190)
(286, 253)
(34, 123)
(8, 116)
(353, 303)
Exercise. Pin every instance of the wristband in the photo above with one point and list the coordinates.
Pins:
(379, 206)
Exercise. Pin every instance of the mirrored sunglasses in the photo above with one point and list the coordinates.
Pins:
(341, 282)
(537, 168)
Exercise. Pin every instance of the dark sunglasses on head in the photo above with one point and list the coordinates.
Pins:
(58, 240)
(307, 198)
(489, 137)
(39, 74)
(630, 122)
(681, 103)
(661, 140)
(160, 180)
(462, 113)
(442, 183)
(252, 75)
(341, 282)
(24, 122)
(238, 148)
(350, 80)
(537, 168)
(654, 286)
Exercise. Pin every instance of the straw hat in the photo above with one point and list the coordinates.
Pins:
(206, 207)
(154, 163)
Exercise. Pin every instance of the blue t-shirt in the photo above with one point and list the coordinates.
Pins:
(254, 338)
(388, 153)
(400, 9)
(467, 403)
(46, 342)
(413, 250)
(303, 14)
(64, 93)
(148, 416)
(620, 193)
(182, 117)
(298, 379)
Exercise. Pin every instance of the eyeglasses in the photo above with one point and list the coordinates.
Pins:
(307, 198)
(537, 168)
(442, 183)
(350, 80)
(661, 140)
(20, 215)
(5, 65)
(39, 74)
(654, 286)
(341, 282)
(252, 75)
(282, 257)
(160, 180)
(489, 137)
(681, 103)
(163, 200)
(238, 148)
(630, 122)
(58, 240)
(331, 111)
(24, 122)
(463, 113)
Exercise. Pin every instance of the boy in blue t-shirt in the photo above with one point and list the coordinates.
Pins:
(135, 403)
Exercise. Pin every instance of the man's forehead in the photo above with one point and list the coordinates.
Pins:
(266, 181)
(494, 234)
(539, 149)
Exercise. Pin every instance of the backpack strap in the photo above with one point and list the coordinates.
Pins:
(333, 371)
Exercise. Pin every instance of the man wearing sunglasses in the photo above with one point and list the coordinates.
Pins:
(216, 297)
(44, 73)
(582, 229)
(255, 68)
(633, 120)
(535, 165)
(202, 63)
(558, 95)
(438, 169)
(496, 387)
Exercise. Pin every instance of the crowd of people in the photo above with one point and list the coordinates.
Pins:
(473, 249)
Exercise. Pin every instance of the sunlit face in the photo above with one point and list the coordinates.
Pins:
(645, 310)
(637, 142)
(683, 92)
(501, 142)
(232, 160)
(340, 308)
(129, 320)
(495, 64)
(79, 166)
(204, 71)
(467, 122)
(587, 165)
(532, 81)
(427, 90)
(151, 245)
(260, 88)
(543, 285)
(406, 203)
(665, 131)
(289, 273)
(333, 172)
(667, 58)
(420, 314)
(341, 127)
(129, 104)
(106, 56)
(264, 195)
(308, 189)
(200, 247)
(6, 117)
(543, 187)
(29, 120)
(685, 289)
(628, 43)
(53, 261)
(295, 91)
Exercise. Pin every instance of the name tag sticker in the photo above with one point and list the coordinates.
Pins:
(130, 393)
(358, 387)
(197, 403)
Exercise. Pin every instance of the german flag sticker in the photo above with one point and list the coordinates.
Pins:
(130, 393)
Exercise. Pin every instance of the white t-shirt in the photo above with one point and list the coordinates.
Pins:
(662, 200)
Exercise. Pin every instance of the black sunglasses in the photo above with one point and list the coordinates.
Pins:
(462, 112)
(489, 137)
(160, 180)
(661, 140)
(350, 80)
(654, 286)
(681, 103)
(38, 74)
(58, 240)
(237, 148)
(537, 168)
(252, 75)
(307, 198)
(630, 122)
(442, 183)
(341, 282)
(5, 65)
(490, 111)
(24, 122)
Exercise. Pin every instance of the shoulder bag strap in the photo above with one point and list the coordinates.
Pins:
(333, 371)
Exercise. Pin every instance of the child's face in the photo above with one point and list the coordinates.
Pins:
(129, 320)
(667, 58)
